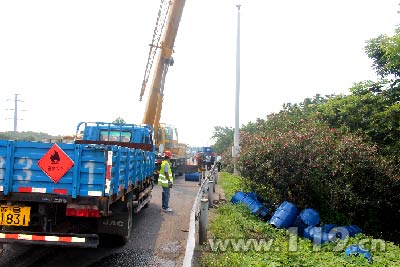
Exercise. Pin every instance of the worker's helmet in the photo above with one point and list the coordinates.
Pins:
(167, 154)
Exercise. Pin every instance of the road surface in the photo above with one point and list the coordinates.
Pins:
(159, 239)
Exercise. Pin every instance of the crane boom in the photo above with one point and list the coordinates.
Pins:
(153, 109)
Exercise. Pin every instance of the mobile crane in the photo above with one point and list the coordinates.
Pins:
(166, 29)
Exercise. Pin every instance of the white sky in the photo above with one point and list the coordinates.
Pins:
(74, 61)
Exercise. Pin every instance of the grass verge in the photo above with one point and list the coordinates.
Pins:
(239, 238)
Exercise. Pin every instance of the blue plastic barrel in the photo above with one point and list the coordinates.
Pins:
(300, 225)
(248, 200)
(310, 216)
(344, 231)
(320, 235)
(192, 176)
(255, 206)
(252, 195)
(353, 230)
(263, 212)
(326, 228)
(321, 238)
(310, 231)
(251, 201)
(238, 197)
(284, 216)
(357, 250)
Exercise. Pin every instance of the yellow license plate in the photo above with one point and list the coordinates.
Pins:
(14, 215)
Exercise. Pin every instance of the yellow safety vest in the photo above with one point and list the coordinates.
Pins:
(162, 180)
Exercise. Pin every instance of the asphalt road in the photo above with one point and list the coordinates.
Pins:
(159, 239)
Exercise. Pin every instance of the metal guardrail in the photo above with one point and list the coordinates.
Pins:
(199, 213)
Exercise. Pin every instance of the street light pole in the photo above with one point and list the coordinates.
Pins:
(236, 141)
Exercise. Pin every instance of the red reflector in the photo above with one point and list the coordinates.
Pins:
(12, 236)
(24, 189)
(108, 172)
(65, 239)
(60, 191)
(82, 211)
(38, 237)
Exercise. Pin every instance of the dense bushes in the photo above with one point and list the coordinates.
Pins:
(313, 165)
(339, 154)
(235, 223)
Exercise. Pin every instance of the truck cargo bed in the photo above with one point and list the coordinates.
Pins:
(87, 168)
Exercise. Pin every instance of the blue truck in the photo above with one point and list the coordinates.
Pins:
(72, 194)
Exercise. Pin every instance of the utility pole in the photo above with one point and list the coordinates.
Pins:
(16, 111)
(16, 100)
(236, 142)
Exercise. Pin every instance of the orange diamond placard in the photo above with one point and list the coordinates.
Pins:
(55, 163)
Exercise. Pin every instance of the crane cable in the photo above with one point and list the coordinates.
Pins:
(156, 41)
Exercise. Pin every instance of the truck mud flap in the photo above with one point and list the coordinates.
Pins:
(117, 224)
(53, 239)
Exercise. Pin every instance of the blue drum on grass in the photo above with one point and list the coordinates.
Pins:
(263, 212)
(353, 230)
(285, 215)
(326, 228)
(310, 217)
(255, 206)
(319, 235)
(321, 238)
(238, 197)
(310, 231)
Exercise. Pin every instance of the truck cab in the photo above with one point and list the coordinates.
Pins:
(126, 135)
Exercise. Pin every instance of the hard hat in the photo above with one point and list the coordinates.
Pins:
(167, 154)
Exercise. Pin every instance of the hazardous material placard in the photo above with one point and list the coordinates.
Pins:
(55, 163)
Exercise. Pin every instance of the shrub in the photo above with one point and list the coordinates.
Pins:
(235, 222)
(227, 160)
(312, 165)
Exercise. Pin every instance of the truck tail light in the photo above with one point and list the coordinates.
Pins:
(108, 172)
(75, 210)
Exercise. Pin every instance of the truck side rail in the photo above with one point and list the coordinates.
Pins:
(146, 147)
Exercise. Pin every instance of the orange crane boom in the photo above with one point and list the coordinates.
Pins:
(173, 10)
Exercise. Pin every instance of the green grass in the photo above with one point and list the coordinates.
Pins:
(281, 248)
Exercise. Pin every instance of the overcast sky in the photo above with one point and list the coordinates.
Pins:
(74, 61)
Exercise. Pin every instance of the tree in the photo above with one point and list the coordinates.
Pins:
(223, 137)
(28, 136)
(384, 51)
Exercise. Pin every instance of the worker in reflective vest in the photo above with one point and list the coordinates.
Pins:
(166, 180)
